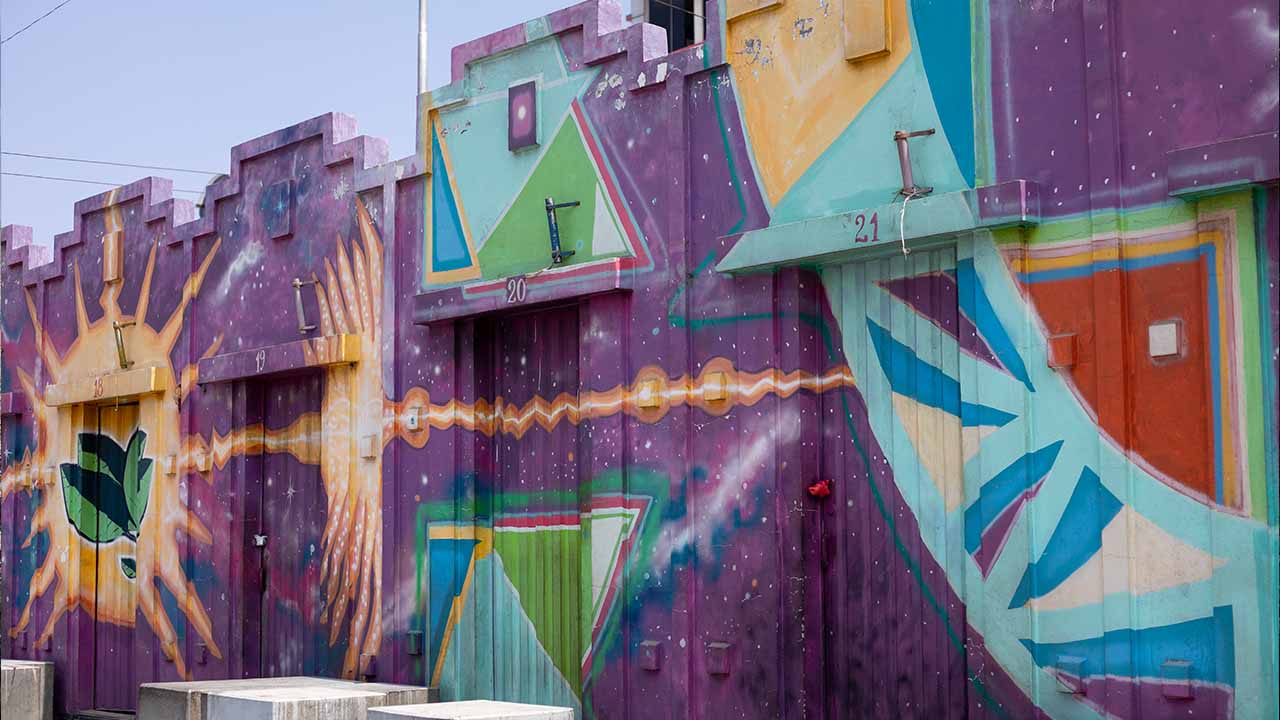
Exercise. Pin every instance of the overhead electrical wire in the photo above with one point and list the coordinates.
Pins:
(683, 10)
(108, 162)
(86, 182)
(33, 22)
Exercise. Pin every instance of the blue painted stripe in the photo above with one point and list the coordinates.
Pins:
(1077, 538)
(974, 415)
(1208, 643)
(1136, 263)
(975, 304)
(1003, 489)
(1215, 364)
(910, 376)
(914, 378)
(943, 41)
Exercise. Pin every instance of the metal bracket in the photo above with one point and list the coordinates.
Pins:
(909, 187)
(259, 541)
(118, 328)
(298, 284)
(557, 255)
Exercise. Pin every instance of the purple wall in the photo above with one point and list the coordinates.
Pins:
(638, 486)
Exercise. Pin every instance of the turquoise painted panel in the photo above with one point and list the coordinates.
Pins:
(486, 173)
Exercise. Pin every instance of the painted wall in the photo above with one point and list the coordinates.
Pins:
(948, 483)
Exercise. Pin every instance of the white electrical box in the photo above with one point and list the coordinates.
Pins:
(1163, 339)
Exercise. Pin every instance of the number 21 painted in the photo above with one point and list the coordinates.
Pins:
(860, 234)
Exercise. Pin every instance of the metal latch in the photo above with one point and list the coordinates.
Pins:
(123, 357)
(558, 255)
(298, 283)
(259, 541)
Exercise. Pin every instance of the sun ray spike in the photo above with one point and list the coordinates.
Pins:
(347, 285)
(169, 335)
(144, 295)
(52, 363)
(82, 315)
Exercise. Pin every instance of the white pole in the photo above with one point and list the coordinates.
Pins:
(422, 46)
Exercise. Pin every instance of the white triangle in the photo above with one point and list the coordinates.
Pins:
(607, 535)
(935, 434)
(606, 239)
(1140, 558)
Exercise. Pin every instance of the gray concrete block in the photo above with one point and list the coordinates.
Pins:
(305, 702)
(473, 710)
(26, 690)
(188, 700)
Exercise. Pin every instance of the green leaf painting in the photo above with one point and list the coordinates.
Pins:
(136, 480)
(107, 491)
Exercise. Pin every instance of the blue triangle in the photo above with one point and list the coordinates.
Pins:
(449, 250)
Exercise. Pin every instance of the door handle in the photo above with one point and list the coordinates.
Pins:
(298, 283)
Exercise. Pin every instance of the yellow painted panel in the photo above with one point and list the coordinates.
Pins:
(798, 91)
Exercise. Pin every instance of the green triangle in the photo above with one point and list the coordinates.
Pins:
(544, 568)
(520, 242)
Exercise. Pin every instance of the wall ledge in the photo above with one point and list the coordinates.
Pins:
(117, 385)
(279, 359)
(12, 403)
(1225, 165)
(874, 231)
(519, 292)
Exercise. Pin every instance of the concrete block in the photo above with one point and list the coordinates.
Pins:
(188, 700)
(305, 702)
(473, 710)
(26, 690)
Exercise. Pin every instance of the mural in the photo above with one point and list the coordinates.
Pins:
(915, 454)
(96, 516)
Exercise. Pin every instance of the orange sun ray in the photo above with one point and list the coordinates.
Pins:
(82, 315)
(144, 295)
(169, 335)
(52, 363)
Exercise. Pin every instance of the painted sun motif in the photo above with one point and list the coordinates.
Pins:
(352, 410)
(345, 439)
(71, 478)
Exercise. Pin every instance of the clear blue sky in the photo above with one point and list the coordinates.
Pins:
(177, 83)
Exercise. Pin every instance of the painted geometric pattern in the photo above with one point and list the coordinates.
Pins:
(450, 252)
(566, 172)
(1157, 265)
(564, 634)
(481, 213)
(1037, 494)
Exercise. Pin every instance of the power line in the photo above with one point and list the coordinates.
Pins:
(33, 22)
(86, 182)
(106, 162)
(683, 10)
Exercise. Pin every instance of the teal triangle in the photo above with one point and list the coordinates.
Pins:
(449, 249)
